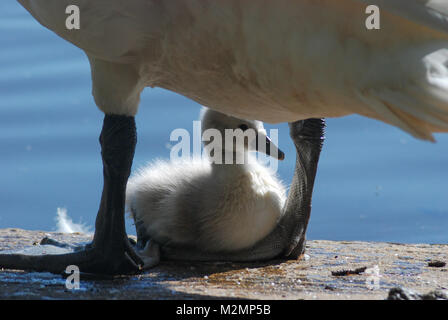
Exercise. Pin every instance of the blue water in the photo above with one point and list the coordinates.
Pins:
(375, 182)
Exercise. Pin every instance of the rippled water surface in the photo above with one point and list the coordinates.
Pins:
(374, 182)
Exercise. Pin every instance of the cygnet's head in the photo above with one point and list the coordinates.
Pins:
(246, 135)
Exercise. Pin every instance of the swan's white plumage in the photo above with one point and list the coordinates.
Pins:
(111, 30)
(274, 61)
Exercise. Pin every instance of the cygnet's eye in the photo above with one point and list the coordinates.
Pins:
(243, 127)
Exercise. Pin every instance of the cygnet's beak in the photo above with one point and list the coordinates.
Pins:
(270, 148)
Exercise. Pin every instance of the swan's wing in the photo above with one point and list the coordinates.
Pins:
(431, 13)
(110, 30)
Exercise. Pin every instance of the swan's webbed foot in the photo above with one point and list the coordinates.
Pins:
(63, 245)
(135, 257)
(89, 259)
(110, 252)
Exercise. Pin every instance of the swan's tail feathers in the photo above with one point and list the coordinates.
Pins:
(419, 117)
(420, 106)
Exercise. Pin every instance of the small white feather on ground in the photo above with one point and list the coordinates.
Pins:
(65, 224)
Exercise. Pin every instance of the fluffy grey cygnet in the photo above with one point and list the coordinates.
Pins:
(206, 204)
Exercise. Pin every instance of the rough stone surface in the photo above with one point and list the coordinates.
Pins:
(331, 270)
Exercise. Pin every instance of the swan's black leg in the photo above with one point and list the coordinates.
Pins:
(308, 138)
(110, 252)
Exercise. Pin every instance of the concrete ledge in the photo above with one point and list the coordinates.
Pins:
(333, 270)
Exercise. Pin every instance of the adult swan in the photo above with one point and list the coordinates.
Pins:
(274, 61)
